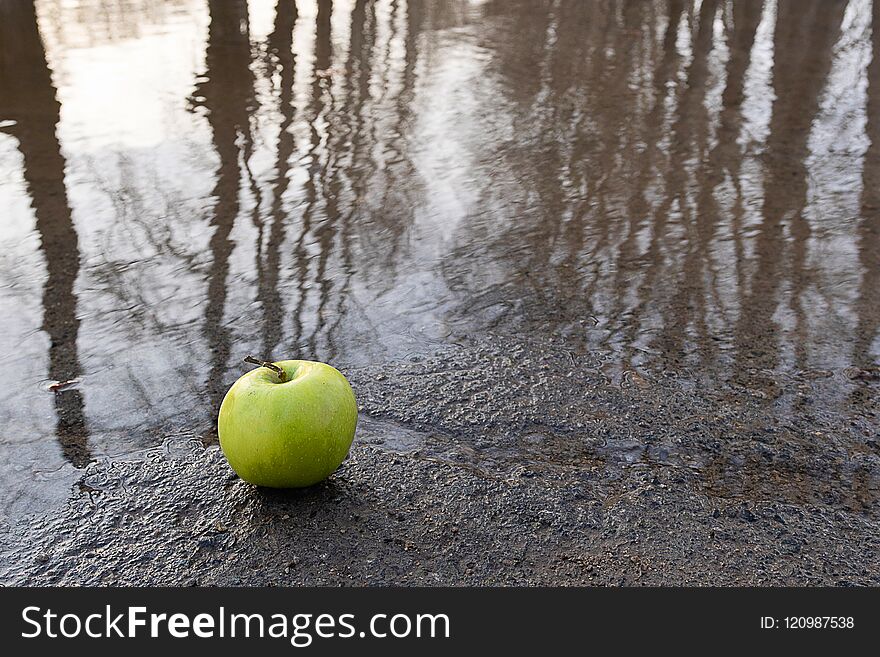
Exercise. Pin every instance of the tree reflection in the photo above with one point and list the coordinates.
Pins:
(28, 98)
(226, 92)
(270, 263)
(799, 75)
(868, 302)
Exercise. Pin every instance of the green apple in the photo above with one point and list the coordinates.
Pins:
(287, 424)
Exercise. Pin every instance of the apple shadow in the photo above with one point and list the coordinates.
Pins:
(322, 493)
(296, 516)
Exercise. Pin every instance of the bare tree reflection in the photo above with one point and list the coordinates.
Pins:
(626, 324)
(390, 194)
(327, 184)
(345, 180)
(28, 98)
(799, 75)
(317, 165)
(688, 140)
(226, 91)
(360, 181)
(631, 216)
(868, 302)
(269, 264)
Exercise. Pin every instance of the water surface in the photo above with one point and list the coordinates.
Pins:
(681, 189)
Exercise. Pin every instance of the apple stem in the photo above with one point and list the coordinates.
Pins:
(266, 363)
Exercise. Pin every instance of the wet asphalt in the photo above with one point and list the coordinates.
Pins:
(660, 490)
(605, 278)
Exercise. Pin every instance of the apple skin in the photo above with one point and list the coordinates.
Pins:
(288, 434)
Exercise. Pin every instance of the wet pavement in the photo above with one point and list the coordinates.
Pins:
(505, 463)
(613, 265)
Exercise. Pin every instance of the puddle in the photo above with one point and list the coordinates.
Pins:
(680, 189)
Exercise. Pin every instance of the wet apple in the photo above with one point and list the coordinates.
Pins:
(287, 424)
